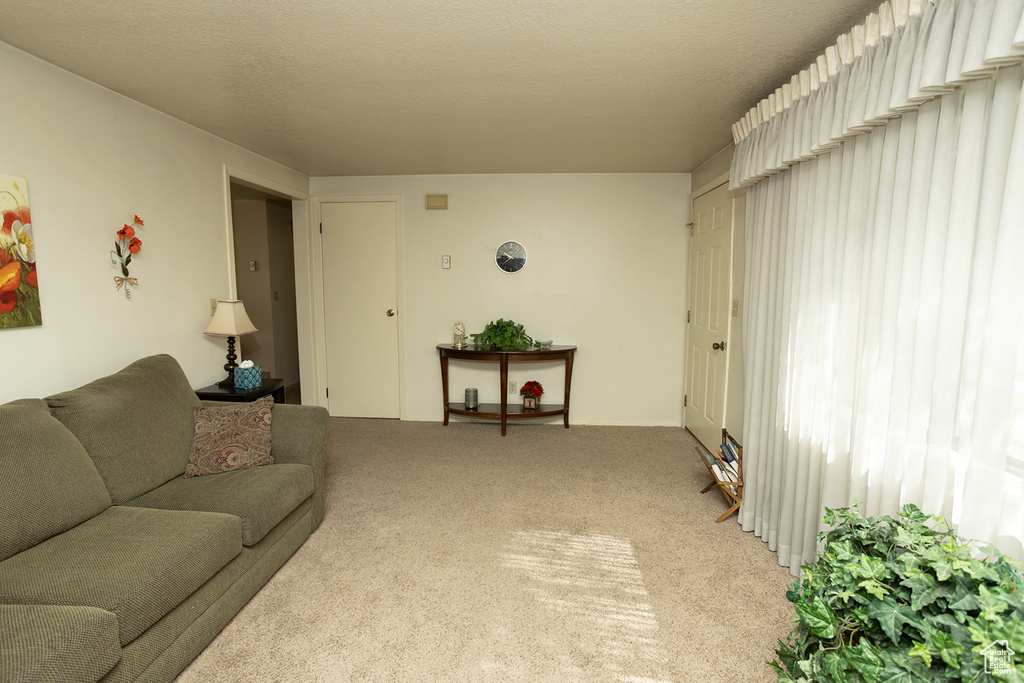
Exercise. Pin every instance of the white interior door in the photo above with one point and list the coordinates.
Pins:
(359, 245)
(708, 296)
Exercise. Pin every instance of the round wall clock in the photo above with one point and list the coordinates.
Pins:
(510, 257)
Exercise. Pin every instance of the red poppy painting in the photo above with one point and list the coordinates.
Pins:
(19, 282)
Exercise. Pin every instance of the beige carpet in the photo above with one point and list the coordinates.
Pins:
(453, 554)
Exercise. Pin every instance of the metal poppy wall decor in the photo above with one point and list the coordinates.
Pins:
(126, 246)
(19, 284)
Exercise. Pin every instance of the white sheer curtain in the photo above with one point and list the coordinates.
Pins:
(884, 323)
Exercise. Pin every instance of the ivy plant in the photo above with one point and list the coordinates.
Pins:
(900, 600)
(506, 335)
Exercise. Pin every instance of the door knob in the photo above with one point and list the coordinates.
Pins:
(718, 346)
(390, 313)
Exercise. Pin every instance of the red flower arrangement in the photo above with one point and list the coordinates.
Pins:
(532, 389)
(126, 246)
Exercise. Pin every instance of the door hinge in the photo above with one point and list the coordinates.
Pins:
(687, 316)
(321, 228)
(685, 399)
(328, 391)
(690, 226)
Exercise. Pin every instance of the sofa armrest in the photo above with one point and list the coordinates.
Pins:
(57, 643)
(298, 434)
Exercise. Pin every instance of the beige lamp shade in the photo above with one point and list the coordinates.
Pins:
(230, 320)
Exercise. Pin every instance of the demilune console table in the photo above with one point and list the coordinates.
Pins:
(503, 411)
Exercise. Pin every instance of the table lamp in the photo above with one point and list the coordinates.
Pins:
(230, 320)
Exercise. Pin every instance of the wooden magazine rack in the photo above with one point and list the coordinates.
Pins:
(723, 472)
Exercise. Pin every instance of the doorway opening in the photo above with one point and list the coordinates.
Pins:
(265, 281)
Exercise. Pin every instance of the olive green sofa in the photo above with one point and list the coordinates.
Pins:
(113, 567)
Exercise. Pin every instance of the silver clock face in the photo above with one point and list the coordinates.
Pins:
(510, 257)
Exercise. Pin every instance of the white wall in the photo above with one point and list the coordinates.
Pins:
(93, 159)
(606, 271)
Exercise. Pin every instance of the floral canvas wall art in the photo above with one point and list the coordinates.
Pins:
(19, 283)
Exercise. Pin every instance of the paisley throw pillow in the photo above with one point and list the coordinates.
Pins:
(232, 437)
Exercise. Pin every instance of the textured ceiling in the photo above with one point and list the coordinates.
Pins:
(357, 87)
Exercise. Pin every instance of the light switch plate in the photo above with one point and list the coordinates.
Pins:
(253, 265)
(446, 261)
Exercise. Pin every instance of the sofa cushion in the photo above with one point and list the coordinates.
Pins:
(48, 482)
(54, 644)
(231, 437)
(136, 424)
(138, 563)
(260, 496)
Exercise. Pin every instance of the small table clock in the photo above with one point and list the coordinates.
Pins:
(459, 331)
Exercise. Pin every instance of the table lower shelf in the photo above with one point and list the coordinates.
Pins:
(515, 410)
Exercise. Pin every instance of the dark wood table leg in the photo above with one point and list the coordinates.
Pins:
(444, 384)
(503, 363)
(568, 385)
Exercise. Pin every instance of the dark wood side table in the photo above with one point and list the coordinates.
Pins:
(504, 411)
(271, 386)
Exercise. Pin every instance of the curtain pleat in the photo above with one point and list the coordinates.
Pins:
(884, 324)
(1000, 50)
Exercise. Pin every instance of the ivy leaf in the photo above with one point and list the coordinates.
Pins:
(818, 618)
(843, 552)
(783, 675)
(991, 606)
(864, 658)
(965, 602)
(922, 588)
(875, 588)
(902, 669)
(907, 538)
(868, 568)
(891, 618)
(943, 568)
(892, 674)
(949, 650)
(920, 651)
(836, 667)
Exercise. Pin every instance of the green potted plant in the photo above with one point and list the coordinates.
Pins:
(903, 599)
(506, 335)
(531, 393)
